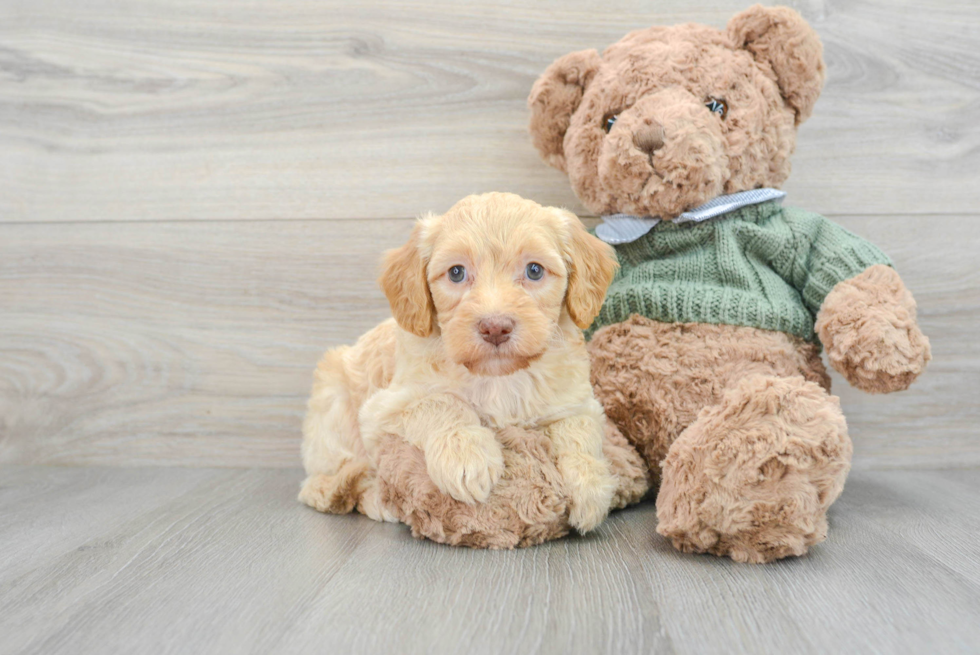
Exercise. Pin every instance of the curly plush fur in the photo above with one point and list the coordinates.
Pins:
(868, 325)
(529, 504)
(753, 447)
(753, 476)
(746, 443)
(767, 67)
(685, 368)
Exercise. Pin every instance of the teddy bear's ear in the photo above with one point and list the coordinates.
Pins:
(780, 38)
(554, 98)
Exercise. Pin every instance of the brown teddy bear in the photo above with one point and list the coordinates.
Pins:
(706, 353)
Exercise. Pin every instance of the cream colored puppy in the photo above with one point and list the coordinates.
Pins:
(489, 301)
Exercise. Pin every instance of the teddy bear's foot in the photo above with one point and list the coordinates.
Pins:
(627, 466)
(526, 507)
(529, 505)
(753, 476)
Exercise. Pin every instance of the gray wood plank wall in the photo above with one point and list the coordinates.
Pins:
(193, 198)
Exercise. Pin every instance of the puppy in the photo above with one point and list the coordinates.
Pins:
(489, 302)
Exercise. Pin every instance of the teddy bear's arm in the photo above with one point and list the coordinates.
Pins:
(865, 317)
(868, 326)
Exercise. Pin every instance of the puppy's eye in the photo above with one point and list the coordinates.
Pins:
(609, 120)
(457, 273)
(534, 271)
(717, 106)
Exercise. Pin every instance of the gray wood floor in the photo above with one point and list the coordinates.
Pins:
(171, 560)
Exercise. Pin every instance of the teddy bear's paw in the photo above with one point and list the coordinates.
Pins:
(868, 327)
(338, 493)
(753, 476)
(466, 464)
(770, 540)
(591, 489)
(877, 357)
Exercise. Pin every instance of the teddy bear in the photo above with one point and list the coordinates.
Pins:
(707, 351)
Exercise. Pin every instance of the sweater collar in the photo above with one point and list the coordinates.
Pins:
(625, 228)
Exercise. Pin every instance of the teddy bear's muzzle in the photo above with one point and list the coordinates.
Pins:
(663, 156)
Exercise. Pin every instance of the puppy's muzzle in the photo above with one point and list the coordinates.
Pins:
(495, 329)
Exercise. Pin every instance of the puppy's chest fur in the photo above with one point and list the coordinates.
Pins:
(554, 386)
(397, 369)
(534, 397)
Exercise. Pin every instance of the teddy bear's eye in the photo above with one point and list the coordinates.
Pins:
(609, 120)
(717, 106)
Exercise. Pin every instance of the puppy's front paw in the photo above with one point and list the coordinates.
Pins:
(591, 487)
(467, 464)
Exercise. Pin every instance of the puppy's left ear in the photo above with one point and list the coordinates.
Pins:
(592, 265)
(403, 279)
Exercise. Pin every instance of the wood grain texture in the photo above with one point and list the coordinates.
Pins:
(193, 343)
(178, 561)
(234, 109)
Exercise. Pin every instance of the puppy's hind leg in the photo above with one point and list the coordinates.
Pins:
(336, 493)
(338, 470)
(354, 486)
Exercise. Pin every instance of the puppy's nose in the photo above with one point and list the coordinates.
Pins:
(496, 329)
(649, 137)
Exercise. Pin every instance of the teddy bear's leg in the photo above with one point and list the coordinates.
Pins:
(527, 506)
(631, 472)
(753, 476)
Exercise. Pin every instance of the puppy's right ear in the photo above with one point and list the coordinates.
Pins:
(554, 98)
(403, 279)
(593, 265)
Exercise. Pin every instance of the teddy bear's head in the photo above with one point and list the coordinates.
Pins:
(670, 117)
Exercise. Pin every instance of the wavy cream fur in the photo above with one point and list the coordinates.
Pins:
(433, 380)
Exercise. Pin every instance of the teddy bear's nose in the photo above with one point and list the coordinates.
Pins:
(649, 137)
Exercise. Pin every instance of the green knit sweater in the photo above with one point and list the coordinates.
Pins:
(764, 266)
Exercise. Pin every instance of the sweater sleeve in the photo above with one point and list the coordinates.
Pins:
(822, 255)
